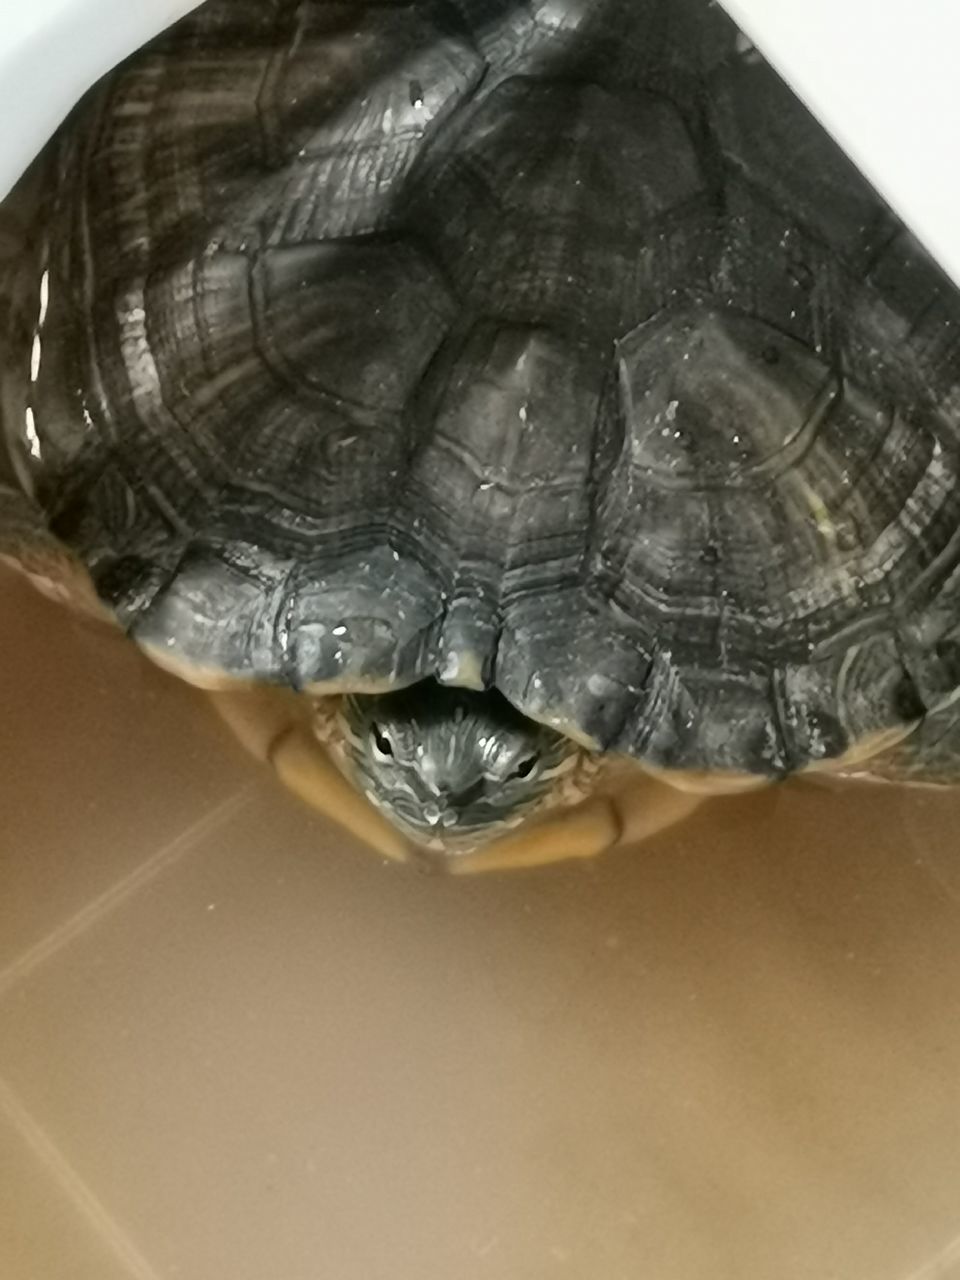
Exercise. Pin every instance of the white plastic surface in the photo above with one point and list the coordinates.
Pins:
(881, 74)
(52, 51)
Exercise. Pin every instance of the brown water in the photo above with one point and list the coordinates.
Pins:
(233, 1047)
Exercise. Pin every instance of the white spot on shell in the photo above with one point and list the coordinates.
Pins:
(339, 631)
(523, 413)
(44, 297)
(30, 426)
(451, 667)
(35, 356)
(672, 408)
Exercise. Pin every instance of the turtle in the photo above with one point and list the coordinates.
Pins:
(519, 416)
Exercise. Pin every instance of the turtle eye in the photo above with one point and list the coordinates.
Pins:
(526, 767)
(382, 746)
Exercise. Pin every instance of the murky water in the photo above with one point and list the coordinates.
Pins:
(235, 1044)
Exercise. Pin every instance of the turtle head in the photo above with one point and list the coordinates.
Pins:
(449, 766)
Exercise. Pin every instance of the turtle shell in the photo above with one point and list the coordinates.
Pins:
(543, 346)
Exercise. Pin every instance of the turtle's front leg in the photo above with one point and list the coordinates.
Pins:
(649, 806)
(275, 726)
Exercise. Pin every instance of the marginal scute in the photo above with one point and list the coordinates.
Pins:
(218, 615)
(370, 618)
(569, 663)
(927, 757)
(373, 617)
(826, 706)
(697, 718)
(931, 631)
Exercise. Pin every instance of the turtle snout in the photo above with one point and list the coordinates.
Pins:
(450, 805)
